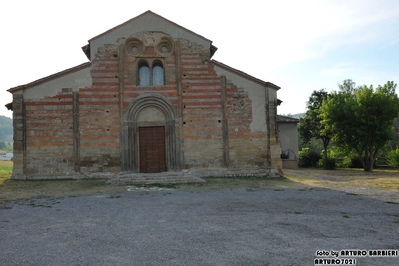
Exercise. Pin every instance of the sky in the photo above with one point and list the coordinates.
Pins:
(300, 46)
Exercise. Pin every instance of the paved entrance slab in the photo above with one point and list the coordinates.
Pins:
(278, 226)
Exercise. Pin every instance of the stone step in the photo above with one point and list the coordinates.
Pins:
(155, 178)
(185, 176)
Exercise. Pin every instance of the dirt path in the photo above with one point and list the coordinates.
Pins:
(383, 185)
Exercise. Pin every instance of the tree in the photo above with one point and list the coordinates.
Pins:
(310, 125)
(361, 118)
(347, 86)
(393, 143)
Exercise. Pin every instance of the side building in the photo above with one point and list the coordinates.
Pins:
(288, 136)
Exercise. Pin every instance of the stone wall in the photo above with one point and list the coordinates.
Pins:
(290, 163)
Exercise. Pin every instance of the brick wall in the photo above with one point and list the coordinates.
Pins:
(203, 133)
(245, 147)
(202, 112)
(18, 171)
(49, 137)
(99, 125)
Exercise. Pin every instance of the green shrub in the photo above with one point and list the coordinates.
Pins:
(330, 164)
(352, 161)
(308, 158)
(393, 158)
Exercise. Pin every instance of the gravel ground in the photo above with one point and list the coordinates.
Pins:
(276, 226)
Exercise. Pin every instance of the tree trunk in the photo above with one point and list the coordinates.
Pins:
(362, 160)
(368, 164)
(325, 159)
(367, 160)
(326, 141)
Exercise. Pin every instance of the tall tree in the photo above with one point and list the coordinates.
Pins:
(310, 125)
(361, 119)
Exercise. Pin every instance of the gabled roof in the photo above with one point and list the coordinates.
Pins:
(149, 12)
(51, 77)
(86, 48)
(245, 75)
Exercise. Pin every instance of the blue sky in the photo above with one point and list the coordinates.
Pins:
(300, 46)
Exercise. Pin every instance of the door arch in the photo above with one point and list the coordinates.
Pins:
(149, 110)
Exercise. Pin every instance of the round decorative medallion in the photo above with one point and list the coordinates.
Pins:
(134, 46)
(165, 46)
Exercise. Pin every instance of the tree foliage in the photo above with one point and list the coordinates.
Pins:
(6, 129)
(393, 143)
(361, 118)
(310, 125)
(348, 86)
(393, 158)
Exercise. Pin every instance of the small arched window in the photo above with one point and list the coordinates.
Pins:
(144, 74)
(157, 74)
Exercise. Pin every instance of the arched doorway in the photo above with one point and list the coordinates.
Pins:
(149, 142)
(151, 124)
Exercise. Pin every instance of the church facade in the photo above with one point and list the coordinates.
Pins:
(150, 100)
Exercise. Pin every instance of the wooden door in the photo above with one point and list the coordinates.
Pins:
(152, 149)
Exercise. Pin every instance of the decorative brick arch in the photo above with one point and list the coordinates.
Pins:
(132, 120)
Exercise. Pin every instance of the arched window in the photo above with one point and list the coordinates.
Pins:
(144, 74)
(157, 74)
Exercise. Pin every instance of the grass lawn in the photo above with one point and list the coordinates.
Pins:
(382, 179)
(5, 170)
